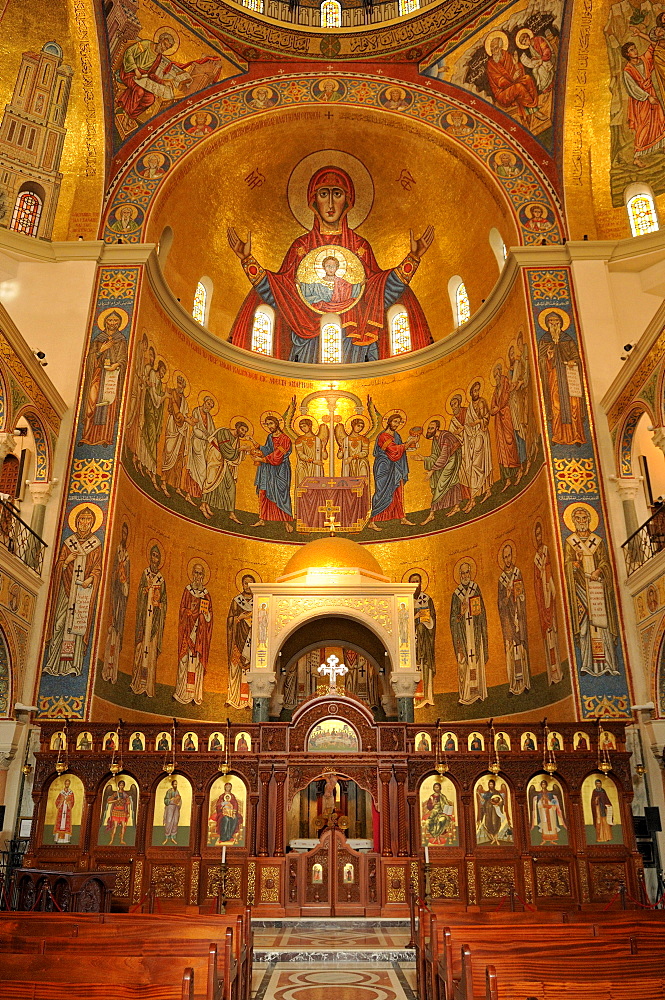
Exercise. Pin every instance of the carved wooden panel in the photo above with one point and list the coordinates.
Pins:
(269, 884)
(444, 882)
(348, 878)
(168, 881)
(371, 880)
(232, 885)
(121, 888)
(317, 884)
(293, 880)
(553, 880)
(606, 879)
(496, 881)
(395, 884)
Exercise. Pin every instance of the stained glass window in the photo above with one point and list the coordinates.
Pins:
(27, 213)
(200, 301)
(400, 333)
(408, 6)
(262, 333)
(642, 214)
(462, 304)
(331, 14)
(256, 5)
(331, 343)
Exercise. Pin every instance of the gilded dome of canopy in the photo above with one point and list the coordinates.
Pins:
(333, 553)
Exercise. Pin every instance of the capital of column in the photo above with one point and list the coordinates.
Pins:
(658, 437)
(41, 491)
(5, 759)
(404, 683)
(261, 683)
(628, 487)
(7, 444)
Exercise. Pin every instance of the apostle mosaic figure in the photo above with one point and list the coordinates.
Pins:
(477, 447)
(363, 303)
(195, 624)
(273, 473)
(120, 581)
(239, 643)
(545, 590)
(591, 593)
(560, 371)
(149, 628)
(504, 430)
(511, 601)
(509, 82)
(227, 448)
(468, 629)
(76, 577)
(174, 454)
(203, 426)
(442, 468)
(425, 625)
(105, 374)
(153, 417)
(143, 364)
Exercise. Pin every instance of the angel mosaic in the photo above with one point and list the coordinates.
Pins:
(119, 812)
(547, 819)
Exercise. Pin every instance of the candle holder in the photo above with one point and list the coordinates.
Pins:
(169, 767)
(61, 766)
(115, 767)
(427, 873)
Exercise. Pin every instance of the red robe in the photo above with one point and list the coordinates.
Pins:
(191, 614)
(506, 445)
(645, 119)
(365, 322)
(510, 84)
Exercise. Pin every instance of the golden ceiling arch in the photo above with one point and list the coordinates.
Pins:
(178, 137)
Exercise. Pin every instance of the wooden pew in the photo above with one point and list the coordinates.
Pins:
(613, 983)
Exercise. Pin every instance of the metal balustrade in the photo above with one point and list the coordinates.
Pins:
(646, 542)
(19, 539)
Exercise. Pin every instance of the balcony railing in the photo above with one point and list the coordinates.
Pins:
(646, 542)
(20, 539)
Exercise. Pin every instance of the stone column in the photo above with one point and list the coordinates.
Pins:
(41, 494)
(7, 444)
(404, 684)
(627, 488)
(5, 761)
(264, 777)
(280, 818)
(261, 683)
(386, 840)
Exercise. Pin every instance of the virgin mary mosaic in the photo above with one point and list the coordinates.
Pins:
(331, 269)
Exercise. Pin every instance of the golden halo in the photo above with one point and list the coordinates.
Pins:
(172, 34)
(422, 573)
(310, 270)
(528, 211)
(490, 38)
(502, 546)
(246, 572)
(563, 316)
(262, 89)
(250, 426)
(158, 358)
(124, 318)
(367, 423)
(154, 154)
(203, 395)
(391, 88)
(200, 114)
(296, 189)
(315, 423)
(455, 392)
(391, 413)
(568, 515)
(75, 511)
(271, 413)
(134, 211)
(539, 521)
(174, 378)
(328, 79)
(520, 34)
(151, 545)
(460, 562)
(499, 361)
(436, 416)
(196, 560)
(505, 152)
(481, 382)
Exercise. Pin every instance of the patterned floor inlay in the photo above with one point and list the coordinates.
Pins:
(338, 939)
(383, 981)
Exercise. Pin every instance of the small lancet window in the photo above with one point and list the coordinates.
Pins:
(331, 14)
(200, 303)
(408, 6)
(27, 213)
(262, 332)
(331, 344)
(400, 333)
(642, 214)
(462, 306)
(255, 5)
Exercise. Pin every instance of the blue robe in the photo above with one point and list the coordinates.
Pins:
(276, 479)
(387, 475)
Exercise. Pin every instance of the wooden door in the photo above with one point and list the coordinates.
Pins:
(336, 880)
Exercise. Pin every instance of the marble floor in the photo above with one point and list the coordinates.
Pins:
(351, 981)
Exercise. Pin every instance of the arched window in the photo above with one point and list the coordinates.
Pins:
(499, 248)
(164, 245)
(27, 213)
(256, 5)
(400, 332)
(408, 6)
(331, 341)
(459, 300)
(202, 296)
(262, 330)
(641, 209)
(331, 14)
